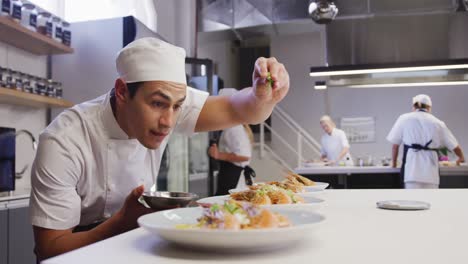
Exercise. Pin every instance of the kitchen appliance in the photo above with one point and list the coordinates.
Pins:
(7, 159)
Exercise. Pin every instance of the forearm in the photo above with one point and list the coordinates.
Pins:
(395, 149)
(343, 153)
(231, 157)
(50, 243)
(248, 109)
(459, 152)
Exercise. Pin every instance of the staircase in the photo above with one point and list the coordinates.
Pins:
(272, 158)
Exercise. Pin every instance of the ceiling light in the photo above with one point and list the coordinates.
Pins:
(322, 11)
(405, 67)
(407, 84)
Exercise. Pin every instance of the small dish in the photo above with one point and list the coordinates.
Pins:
(168, 200)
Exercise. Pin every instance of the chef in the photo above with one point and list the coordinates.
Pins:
(95, 160)
(421, 134)
(233, 154)
(335, 145)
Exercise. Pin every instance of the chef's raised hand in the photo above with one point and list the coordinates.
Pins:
(132, 209)
(267, 91)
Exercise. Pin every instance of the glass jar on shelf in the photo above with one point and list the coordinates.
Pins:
(5, 80)
(32, 83)
(16, 81)
(66, 33)
(50, 88)
(58, 90)
(41, 86)
(5, 8)
(15, 10)
(57, 29)
(29, 16)
(44, 21)
(26, 83)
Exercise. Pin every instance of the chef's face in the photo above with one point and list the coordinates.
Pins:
(326, 126)
(152, 112)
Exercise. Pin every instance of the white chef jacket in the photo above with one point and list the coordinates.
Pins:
(333, 144)
(236, 140)
(86, 166)
(420, 127)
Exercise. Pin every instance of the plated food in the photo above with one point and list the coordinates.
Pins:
(233, 215)
(167, 225)
(267, 194)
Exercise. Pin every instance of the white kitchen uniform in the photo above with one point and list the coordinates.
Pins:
(333, 144)
(86, 166)
(236, 140)
(420, 127)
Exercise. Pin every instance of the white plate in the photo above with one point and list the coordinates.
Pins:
(308, 201)
(318, 186)
(163, 224)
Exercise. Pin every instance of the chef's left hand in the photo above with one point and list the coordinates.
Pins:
(262, 90)
(213, 151)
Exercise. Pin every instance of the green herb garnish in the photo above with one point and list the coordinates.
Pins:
(214, 207)
(230, 207)
(270, 80)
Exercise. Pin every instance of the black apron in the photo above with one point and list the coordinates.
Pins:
(417, 147)
(229, 174)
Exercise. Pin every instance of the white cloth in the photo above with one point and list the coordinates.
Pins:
(419, 127)
(420, 185)
(151, 59)
(333, 144)
(86, 166)
(236, 140)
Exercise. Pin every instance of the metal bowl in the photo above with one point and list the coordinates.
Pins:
(168, 200)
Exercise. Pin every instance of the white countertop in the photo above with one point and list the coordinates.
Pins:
(22, 193)
(354, 231)
(444, 170)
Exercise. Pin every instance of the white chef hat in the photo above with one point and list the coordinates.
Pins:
(423, 99)
(151, 59)
(227, 91)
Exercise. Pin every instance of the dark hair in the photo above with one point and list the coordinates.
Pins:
(419, 105)
(133, 88)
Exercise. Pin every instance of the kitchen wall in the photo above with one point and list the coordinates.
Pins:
(23, 117)
(306, 105)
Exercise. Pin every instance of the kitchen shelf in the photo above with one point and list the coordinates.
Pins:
(11, 96)
(15, 34)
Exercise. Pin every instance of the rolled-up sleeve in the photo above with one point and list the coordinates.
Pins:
(191, 108)
(55, 203)
(344, 140)
(448, 139)
(396, 134)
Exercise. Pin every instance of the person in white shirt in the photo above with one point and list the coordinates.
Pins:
(95, 160)
(422, 134)
(335, 145)
(234, 153)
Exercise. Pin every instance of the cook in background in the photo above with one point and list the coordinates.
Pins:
(422, 134)
(335, 145)
(233, 154)
(95, 160)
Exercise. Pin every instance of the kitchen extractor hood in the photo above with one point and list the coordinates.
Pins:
(388, 51)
